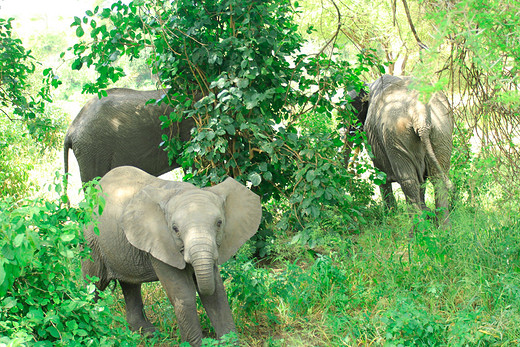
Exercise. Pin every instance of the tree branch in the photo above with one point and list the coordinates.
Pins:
(412, 27)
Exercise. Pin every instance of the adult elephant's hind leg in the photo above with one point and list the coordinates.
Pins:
(412, 191)
(441, 202)
(135, 315)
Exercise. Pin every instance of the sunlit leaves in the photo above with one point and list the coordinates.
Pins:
(16, 65)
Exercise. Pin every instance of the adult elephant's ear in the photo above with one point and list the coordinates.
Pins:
(145, 227)
(243, 214)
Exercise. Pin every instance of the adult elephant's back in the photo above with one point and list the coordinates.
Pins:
(122, 129)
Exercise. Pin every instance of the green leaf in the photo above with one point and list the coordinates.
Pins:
(67, 237)
(18, 240)
(255, 179)
(2, 277)
(77, 21)
(79, 31)
(54, 332)
(310, 176)
(230, 129)
(9, 302)
(242, 83)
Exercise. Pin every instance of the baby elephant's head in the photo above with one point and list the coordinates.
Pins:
(196, 218)
(180, 224)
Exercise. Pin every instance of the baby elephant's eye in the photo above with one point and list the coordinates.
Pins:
(219, 223)
(176, 229)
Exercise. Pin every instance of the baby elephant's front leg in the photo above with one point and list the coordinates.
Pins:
(181, 291)
(217, 307)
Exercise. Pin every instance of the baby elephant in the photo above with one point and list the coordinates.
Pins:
(152, 229)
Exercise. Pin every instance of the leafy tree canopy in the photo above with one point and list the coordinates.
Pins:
(237, 68)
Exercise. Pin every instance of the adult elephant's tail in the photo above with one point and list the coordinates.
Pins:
(425, 139)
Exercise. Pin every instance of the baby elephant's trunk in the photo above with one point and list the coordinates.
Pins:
(202, 255)
(205, 276)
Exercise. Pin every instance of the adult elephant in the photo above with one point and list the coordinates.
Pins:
(411, 140)
(120, 129)
(153, 229)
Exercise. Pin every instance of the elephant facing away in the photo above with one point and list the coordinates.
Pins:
(411, 140)
(153, 229)
(122, 129)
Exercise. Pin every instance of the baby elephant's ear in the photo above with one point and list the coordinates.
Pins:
(145, 227)
(243, 214)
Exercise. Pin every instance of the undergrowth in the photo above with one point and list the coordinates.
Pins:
(43, 299)
(377, 285)
(355, 277)
(458, 286)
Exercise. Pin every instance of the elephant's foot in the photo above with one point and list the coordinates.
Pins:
(142, 327)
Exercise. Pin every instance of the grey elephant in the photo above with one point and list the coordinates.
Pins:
(153, 229)
(411, 140)
(119, 129)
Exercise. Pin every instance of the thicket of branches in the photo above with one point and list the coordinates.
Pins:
(482, 67)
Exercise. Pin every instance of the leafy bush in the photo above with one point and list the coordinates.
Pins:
(16, 65)
(43, 298)
(251, 290)
(238, 70)
(20, 153)
(470, 169)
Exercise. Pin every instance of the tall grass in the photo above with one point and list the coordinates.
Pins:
(457, 286)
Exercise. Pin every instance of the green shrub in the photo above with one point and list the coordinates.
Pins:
(410, 324)
(43, 297)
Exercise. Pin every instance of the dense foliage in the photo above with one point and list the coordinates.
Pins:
(482, 65)
(17, 96)
(239, 70)
(15, 161)
(42, 298)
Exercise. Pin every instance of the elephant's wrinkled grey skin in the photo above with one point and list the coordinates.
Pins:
(153, 229)
(121, 129)
(410, 140)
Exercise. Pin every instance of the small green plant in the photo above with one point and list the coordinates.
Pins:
(465, 329)
(251, 289)
(230, 339)
(409, 324)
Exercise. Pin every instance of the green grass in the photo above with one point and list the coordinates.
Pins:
(458, 286)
